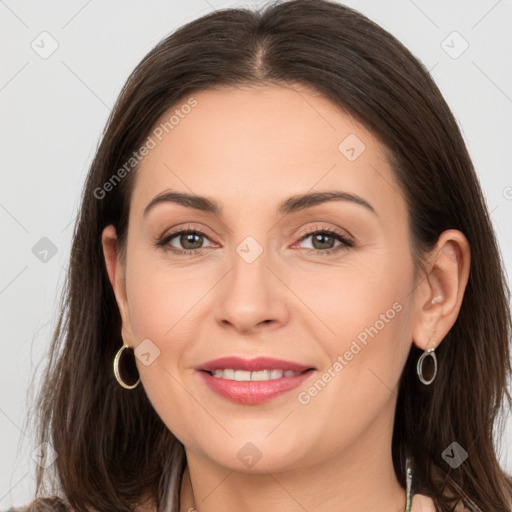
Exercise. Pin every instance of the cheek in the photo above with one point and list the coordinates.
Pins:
(163, 300)
(161, 304)
(364, 361)
(356, 298)
(365, 324)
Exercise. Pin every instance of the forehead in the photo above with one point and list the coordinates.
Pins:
(259, 145)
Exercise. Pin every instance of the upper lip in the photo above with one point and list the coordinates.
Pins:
(258, 363)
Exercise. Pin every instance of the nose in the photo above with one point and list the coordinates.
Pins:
(252, 297)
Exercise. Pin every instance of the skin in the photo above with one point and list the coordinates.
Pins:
(249, 149)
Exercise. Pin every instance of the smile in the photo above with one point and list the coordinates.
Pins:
(244, 375)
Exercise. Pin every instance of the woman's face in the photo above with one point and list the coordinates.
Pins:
(260, 277)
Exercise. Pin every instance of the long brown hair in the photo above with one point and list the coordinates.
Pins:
(113, 448)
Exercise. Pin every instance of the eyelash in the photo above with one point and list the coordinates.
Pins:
(346, 243)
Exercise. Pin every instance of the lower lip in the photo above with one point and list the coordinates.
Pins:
(253, 392)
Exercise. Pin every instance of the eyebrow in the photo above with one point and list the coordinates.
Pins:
(292, 204)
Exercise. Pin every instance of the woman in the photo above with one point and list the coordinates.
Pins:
(258, 368)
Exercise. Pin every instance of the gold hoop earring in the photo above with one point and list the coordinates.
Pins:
(116, 370)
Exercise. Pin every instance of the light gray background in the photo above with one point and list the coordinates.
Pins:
(53, 111)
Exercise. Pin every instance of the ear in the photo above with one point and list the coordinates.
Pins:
(440, 292)
(116, 274)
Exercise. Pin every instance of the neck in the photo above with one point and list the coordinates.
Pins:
(360, 478)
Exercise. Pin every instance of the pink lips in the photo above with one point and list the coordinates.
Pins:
(252, 392)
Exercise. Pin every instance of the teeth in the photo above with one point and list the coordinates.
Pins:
(244, 375)
(261, 375)
(229, 374)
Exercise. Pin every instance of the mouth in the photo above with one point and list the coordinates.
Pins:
(253, 381)
(256, 376)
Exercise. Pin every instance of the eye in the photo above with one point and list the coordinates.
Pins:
(323, 240)
(190, 241)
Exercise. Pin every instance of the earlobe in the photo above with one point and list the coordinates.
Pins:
(440, 294)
